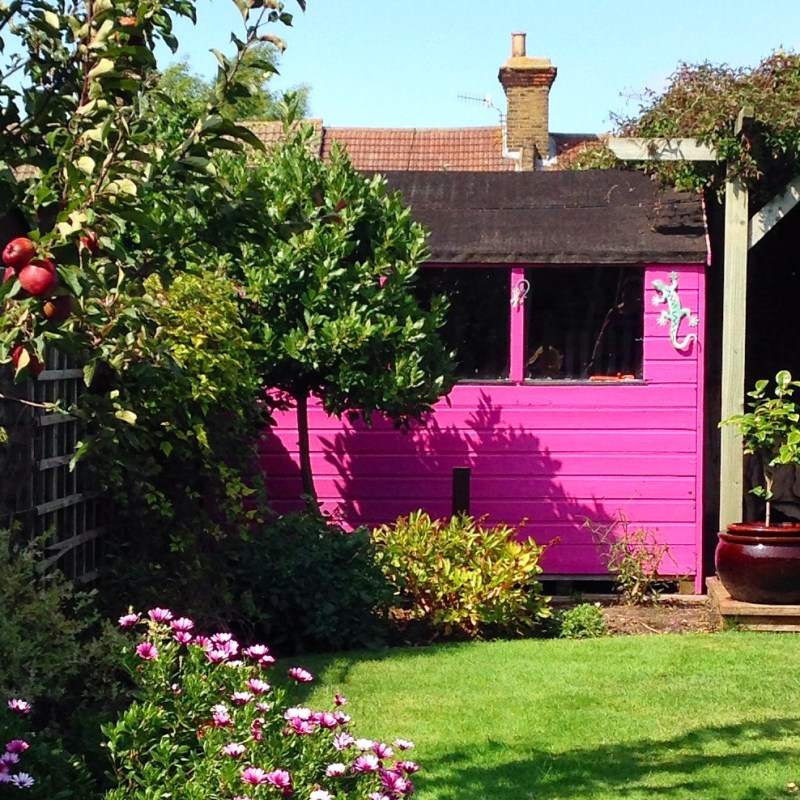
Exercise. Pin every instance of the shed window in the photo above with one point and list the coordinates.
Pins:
(477, 326)
(584, 322)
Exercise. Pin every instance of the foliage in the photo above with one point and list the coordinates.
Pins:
(209, 725)
(704, 100)
(192, 441)
(43, 627)
(459, 575)
(584, 621)
(181, 85)
(771, 429)
(331, 296)
(308, 585)
(56, 654)
(633, 555)
(113, 188)
(592, 157)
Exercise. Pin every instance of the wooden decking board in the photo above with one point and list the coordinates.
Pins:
(752, 616)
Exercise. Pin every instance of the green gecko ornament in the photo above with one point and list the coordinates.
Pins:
(674, 312)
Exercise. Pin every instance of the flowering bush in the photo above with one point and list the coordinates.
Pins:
(212, 724)
(12, 767)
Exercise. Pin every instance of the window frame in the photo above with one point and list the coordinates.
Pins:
(517, 333)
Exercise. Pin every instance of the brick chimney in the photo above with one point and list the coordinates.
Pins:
(526, 82)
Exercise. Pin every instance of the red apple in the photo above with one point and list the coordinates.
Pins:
(9, 274)
(38, 276)
(21, 356)
(89, 242)
(18, 252)
(58, 308)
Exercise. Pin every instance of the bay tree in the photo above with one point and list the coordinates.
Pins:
(328, 266)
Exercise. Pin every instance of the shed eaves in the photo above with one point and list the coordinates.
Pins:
(586, 217)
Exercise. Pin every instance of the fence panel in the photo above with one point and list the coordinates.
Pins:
(39, 489)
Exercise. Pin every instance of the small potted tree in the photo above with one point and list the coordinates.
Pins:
(759, 562)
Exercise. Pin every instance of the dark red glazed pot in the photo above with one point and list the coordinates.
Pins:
(760, 564)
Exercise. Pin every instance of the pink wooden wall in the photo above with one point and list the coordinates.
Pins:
(551, 453)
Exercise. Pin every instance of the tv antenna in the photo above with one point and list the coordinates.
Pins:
(485, 101)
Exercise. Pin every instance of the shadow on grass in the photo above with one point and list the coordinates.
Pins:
(669, 768)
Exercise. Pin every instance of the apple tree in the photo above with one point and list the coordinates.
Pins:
(106, 192)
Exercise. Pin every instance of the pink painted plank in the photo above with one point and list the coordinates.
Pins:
(560, 441)
(571, 465)
(585, 560)
(533, 488)
(649, 512)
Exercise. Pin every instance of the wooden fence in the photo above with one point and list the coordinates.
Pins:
(39, 491)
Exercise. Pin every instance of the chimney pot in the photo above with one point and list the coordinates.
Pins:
(517, 45)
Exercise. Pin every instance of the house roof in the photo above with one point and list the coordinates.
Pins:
(586, 217)
(422, 149)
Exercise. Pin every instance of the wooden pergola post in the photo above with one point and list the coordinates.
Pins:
(734, 329)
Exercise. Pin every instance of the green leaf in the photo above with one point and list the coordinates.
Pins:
(125, 416)
(102, 67)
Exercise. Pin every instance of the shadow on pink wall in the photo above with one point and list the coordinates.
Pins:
(514, 479)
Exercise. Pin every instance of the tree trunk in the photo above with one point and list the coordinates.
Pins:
(309, 491)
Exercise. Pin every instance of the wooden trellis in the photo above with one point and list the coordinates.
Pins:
(40, 491)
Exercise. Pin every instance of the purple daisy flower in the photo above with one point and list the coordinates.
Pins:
(147, 651)
(342, 740)
(19, 706)
(255, 776)
(300, 675)
(382, 750)
(17, 746)
(160, 614)
(403, 744)
(234, 749)
(128, 620)
(366, 763)
(281, 779)
(258, 686)
(335, 770)
(22, 780)
(183, 624)
(394, 782)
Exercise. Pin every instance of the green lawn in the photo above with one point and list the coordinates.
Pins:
(694, 716)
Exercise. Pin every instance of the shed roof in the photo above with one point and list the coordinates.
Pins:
(586, 217)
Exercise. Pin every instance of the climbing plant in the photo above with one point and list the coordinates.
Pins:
(704, 100)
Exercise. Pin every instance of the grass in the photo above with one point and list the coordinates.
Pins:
(691, 716)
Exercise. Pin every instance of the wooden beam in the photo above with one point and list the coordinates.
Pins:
(734, 326)
(734, 305)
(764, 220)
(635, 149)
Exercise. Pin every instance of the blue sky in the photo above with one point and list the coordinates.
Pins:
(404, 63)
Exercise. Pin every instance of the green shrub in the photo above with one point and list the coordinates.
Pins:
(310, 585)
(57, 655)
(461, 577)
(584, 621)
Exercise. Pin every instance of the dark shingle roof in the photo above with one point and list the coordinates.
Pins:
(588, 217)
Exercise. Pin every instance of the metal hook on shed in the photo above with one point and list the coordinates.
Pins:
(520, 293)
